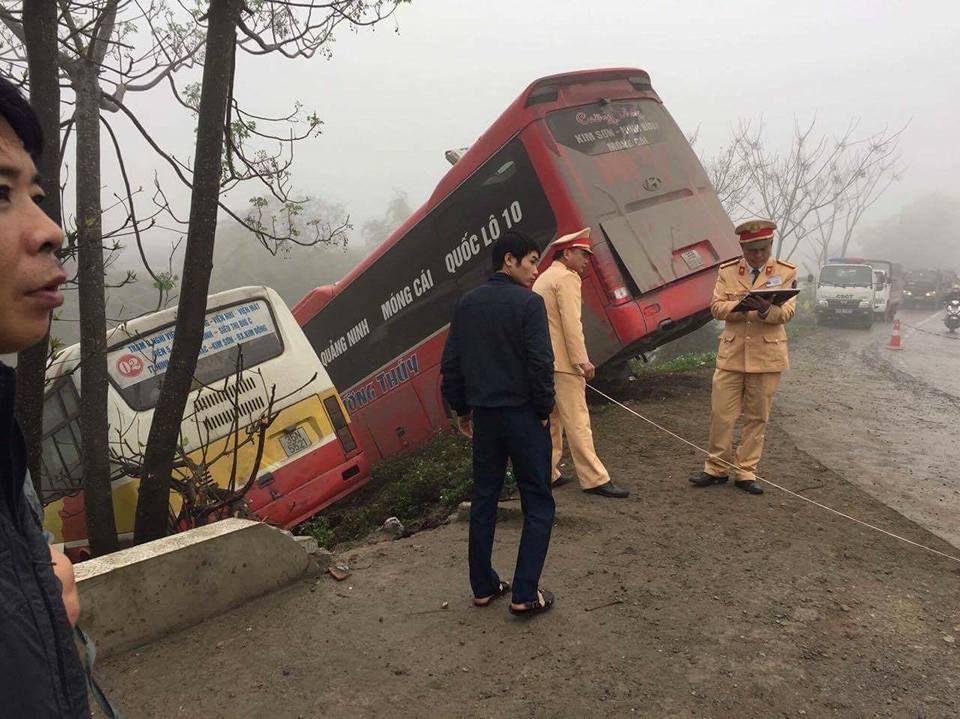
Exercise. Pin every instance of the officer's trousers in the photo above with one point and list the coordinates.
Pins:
(749, 394)
(570, 417)
(517, 434)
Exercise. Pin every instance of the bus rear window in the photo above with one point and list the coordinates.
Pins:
(243, 333)
(607, 126)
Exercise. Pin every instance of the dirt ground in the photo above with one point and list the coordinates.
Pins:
(676, 602)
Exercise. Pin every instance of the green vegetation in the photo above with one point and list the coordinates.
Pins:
(687, 362)
(805, 321)
(421, 489)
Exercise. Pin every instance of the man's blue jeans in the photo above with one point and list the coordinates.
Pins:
(513, 433)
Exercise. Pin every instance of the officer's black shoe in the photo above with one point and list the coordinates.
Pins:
(706, 480)
(749, 485)
(609, 490)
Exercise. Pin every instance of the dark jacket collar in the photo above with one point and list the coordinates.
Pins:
(503, 279)
(8, 393)
(11, 476)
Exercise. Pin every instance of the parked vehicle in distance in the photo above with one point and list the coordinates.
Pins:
(846, 291)
(924, 289)
(888, 282)
(253, 350)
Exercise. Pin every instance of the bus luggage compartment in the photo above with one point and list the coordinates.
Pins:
(664, 242)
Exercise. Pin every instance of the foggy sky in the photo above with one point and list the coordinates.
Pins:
(392, 103)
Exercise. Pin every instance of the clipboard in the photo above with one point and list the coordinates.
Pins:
(774, 297)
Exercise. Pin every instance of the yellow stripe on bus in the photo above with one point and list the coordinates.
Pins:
(308, 415)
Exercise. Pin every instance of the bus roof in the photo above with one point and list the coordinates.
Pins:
(540, 97)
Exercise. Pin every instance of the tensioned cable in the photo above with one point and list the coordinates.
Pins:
(774, 484)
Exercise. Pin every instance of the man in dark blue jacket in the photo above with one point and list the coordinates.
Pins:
(40, 673)
(498, 377)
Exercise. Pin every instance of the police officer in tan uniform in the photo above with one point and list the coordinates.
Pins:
(559, 285)
(751, 356)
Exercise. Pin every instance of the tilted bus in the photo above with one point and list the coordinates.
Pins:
(594, 148)
(310, 456)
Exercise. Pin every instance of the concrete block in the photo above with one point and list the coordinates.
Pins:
(139, 594)
(307, 544)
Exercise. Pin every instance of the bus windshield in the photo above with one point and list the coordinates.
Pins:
(631, 171)
(243, 335)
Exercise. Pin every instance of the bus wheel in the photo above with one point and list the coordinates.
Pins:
(615, 371)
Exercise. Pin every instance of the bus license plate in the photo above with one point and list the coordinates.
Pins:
(692, 258)
(845, 312)
(294, 442)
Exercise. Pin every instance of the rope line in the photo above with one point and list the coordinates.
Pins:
(774, 484)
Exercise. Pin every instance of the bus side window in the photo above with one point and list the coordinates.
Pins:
(503, 194)
(61, 469)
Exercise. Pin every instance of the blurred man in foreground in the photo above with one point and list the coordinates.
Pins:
(40, 672)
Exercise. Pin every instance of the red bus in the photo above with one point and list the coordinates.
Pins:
(593, 148)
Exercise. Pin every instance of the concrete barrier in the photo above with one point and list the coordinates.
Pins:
(142, 593)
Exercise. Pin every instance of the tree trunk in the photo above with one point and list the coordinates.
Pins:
(98, 499)
(40, 30)
(153, 504)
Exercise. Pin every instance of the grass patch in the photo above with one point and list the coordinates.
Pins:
(421, 489)
(687, 362)
(804, 321)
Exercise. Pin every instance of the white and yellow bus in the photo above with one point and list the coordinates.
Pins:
(310, 455)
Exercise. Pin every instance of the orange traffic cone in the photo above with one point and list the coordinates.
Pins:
(895, 337)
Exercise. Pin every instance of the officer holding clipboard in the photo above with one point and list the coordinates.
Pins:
(753, 296)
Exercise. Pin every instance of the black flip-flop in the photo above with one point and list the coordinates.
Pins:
(536, 606)
(502, 589)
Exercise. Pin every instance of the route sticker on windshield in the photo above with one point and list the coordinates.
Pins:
(130, 366)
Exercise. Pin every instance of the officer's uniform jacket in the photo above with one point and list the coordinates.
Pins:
(749, 342)
(560, 288)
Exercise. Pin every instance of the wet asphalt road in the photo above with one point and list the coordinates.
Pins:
(885, 420)
(930, 353)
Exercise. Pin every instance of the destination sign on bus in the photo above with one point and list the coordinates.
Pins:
(223, 329)
(605, 127)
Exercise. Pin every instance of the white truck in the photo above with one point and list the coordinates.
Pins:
(859, 289)
(846, 291)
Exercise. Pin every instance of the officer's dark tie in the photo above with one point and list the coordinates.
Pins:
(756, 273)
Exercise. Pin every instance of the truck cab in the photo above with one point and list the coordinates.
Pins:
(846, 291)
(923, 289)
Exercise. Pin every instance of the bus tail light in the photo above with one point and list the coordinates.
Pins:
(340, 426)
(610, 270)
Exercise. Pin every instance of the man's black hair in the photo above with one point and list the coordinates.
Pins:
(513, 243)
(20, 116)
